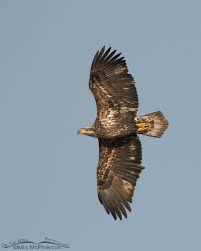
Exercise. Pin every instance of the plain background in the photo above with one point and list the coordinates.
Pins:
(47, 172)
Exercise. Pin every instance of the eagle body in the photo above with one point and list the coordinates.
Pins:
(109, 126)
(117, 127)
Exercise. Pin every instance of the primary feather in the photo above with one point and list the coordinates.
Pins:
(118, 169)
(115, 94)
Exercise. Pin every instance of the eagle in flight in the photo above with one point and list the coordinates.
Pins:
(117, 127)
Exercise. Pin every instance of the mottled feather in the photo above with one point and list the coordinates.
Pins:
(115, 94)
(118, 169)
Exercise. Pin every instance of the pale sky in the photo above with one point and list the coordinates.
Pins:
(47, 172)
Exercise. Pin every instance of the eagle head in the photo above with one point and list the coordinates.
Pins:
(89, 131)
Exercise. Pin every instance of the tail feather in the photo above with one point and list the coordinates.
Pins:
(153, 124)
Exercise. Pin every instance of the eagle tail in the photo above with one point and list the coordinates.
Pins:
(153, 124)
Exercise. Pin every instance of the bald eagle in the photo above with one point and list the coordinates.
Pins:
(117, 127)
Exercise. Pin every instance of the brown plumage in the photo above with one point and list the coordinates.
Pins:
(116, 127)
(115, 93)
(119, 167)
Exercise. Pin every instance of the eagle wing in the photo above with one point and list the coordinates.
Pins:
(118, 169)
(115, 93)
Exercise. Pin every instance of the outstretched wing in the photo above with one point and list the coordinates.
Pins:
(119, 167)
(114, 90)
